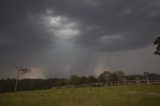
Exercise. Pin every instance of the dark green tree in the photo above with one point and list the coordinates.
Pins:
(68, 81)
(113, 78)
(157, 43)
(92, 79)
(75, 80)
(83, 80)
(120, 75)
(103, 77)
(61, 82)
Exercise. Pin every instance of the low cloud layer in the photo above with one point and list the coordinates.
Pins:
(70, 37)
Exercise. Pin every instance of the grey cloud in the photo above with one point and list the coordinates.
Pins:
(17, 33)
(136, 21)
(137, 26)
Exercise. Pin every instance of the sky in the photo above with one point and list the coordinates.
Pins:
(59, 38)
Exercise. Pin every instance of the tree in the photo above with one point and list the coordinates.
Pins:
(120, 75)
(157, 42)
(92, 79)
(154, 76)
(20, 71)
(83, 80)
(113, 78)
(75, 80)
(103, 77)
(61, 82)
(68, 81)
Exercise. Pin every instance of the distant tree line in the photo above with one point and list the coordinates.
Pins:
(7, 85)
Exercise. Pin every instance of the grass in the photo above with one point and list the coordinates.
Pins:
(131, 95)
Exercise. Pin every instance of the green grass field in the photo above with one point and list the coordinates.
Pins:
(131, 95)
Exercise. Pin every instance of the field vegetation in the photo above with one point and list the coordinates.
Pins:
(128, 95)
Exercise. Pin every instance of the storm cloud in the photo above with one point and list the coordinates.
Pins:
(60, 38)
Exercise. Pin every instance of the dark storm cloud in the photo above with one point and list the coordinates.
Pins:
(16, 33)
(26, 35)
(112, 24)
(132, 24)
(135, 22)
